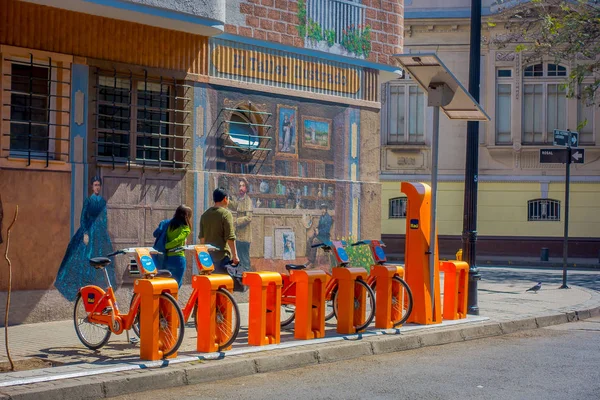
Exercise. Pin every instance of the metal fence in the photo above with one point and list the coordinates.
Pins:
(336, 15)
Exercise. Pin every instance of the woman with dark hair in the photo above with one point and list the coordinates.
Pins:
(177, 231)
(90, 240)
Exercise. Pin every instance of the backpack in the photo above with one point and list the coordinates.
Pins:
(161, 236)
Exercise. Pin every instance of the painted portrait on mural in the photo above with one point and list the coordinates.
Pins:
(90, 240)
(242, 205)
(316, 133)
(321, 234)
(287, 138)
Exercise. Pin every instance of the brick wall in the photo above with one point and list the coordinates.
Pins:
(277, 21)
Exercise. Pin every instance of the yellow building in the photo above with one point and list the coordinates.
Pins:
(520, 200)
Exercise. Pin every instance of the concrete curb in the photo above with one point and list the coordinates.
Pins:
(192, 373)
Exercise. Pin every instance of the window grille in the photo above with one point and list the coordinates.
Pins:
(397, 207)
(142, 120)
(543, 210)
(39, 103)
(244, 140)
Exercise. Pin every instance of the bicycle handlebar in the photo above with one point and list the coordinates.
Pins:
(210, 247)
(323, 245)
(362, 242)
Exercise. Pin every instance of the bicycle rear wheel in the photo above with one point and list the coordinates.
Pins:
(170, 337)
(93, 336)
(227, 328)
(360, 289)
(329, 308)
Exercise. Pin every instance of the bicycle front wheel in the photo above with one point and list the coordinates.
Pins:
(287, 314)
(93, 336)
(402, 301)
(361, 290)
(170, 324)
(228, 319)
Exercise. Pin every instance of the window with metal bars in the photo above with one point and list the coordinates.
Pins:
(543, 210)
(397, 207)
(142, 120)
(38, 106)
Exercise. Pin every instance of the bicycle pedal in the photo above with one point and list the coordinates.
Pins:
(107, 311)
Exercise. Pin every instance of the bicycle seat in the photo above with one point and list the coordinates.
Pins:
(290, 267)
(99, 262)
(163, 273)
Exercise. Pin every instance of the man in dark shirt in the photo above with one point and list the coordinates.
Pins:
(216, 228)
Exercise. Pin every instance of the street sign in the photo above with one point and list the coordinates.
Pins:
(559, 156)
(566, 138)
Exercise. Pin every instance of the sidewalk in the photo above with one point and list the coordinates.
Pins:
(505, 307)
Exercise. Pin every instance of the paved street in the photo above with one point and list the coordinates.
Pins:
(560, 362)
(551, 278)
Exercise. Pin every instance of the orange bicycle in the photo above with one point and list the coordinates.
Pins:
(402, 299)
(96, 314)
(339, 259)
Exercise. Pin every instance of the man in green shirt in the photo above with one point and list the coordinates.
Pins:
(216, 228)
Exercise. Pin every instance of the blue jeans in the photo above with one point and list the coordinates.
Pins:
(175, 265)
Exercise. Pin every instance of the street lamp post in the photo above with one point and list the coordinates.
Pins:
(469, 235)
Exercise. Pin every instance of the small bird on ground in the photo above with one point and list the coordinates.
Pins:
(535, 288)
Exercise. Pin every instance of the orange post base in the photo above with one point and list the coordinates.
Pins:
(265, 307)
(206, 329)
(384, 291)
(456, 281)
(349, 314)
(310, 303)
(150, 336)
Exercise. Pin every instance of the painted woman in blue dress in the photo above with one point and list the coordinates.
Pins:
(90, 240)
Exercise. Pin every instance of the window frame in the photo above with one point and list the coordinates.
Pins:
(402, 203)
(390, 112)
(544, 80)
(58, 108)
(509, 81)
(178, 126)
(553, 204)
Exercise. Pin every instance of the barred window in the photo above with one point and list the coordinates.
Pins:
(543, 210)
(142, 120)
(38, 108)
(397, 207)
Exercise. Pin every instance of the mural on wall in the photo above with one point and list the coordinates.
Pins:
(316, 133)
(287, 123)
(345, 34)
(242, 206)
(90, 240)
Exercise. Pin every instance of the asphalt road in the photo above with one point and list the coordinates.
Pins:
(560, 362)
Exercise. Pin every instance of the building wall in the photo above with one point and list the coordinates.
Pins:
(278, 20)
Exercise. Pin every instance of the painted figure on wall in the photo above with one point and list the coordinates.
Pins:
(321, 234)
(287, 122)
(90, 240)
(243, 231)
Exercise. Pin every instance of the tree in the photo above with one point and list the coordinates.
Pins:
(562, 30)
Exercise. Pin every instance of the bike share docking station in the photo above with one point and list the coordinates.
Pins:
(310, 303)
(208, 303)
(385, 291)
(424, 283)
(265, 307)
(349, 314)
(151, 340)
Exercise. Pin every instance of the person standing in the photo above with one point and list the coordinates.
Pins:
(216, 228)
(178, 230)
(243, 206)
(91, 240)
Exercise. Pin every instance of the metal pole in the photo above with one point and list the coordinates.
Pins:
(469, 236)
(434, 182)
(566, 238)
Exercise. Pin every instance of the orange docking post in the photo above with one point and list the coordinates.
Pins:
(310, 303)
(150, 334)
(207, 286)
(349, 314)
(384, 292)
(456, 281)
(265, 307)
